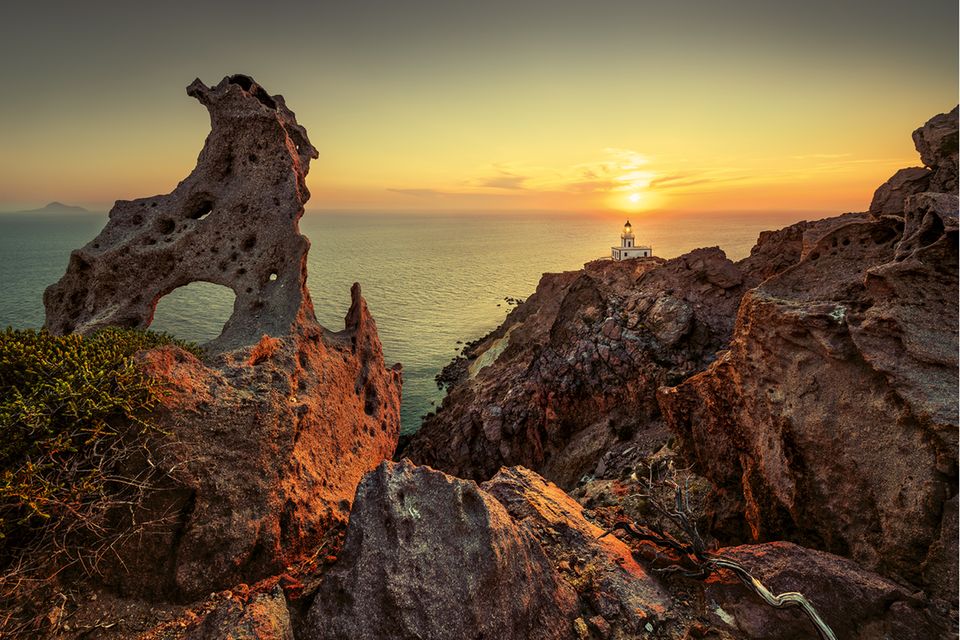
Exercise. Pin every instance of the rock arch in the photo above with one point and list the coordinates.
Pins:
(233, 221)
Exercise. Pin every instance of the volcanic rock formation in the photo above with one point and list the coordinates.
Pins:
(580, 364)
(273, 432)
(856, 603)
(832, 418)
(232, 222)
(622, 593)
(814, 383)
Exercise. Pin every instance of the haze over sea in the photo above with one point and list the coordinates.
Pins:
(430, 280)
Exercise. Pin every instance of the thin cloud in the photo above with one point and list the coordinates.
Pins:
(505, 178)
(821, 156)
(422, 193)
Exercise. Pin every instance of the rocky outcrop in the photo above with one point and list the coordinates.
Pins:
(855, 603)
(574, 370)
(890, 196)
(616, 592)
(832, 418)
(936, 141)
(270, 435)
(232, 221)
(431, 556)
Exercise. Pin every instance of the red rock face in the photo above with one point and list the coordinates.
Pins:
(270, 435)
(832, 419)
(583, 358)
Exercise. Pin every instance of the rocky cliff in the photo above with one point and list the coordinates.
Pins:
(270, 434)
(832, 417)
(813, 384)
(578, 364)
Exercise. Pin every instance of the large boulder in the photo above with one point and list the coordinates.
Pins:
(432, 556)
(832, 418)
(270, 433)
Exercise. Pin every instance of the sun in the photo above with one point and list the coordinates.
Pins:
(635, 198)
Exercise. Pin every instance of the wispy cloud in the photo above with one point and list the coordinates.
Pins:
(615, 172)
(422, 193)
(821, 156)
(504, 178)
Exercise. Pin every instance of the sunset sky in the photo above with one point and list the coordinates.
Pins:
(493, 105)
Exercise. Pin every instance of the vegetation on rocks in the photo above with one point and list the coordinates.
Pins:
(72, 432)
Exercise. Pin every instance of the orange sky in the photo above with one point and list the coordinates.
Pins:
(616, 106)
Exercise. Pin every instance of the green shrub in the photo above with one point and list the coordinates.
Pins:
(66, 405)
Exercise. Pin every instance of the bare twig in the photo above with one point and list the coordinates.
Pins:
(691, 557)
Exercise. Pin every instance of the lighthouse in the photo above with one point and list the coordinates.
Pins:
(628, 246)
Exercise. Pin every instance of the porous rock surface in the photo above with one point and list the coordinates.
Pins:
(271, 433)
(432, 556)
(832, 418)
(232, 222)
(580, 364)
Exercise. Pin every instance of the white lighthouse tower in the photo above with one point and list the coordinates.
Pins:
(628, 246)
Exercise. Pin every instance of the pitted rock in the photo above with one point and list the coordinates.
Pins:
(233, 221)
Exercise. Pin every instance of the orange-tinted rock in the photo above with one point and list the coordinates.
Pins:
(621, 592)
(270, 435)
(832, 419)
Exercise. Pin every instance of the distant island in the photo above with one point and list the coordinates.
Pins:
(55, 207)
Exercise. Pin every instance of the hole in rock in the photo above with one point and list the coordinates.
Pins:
(194, 312)
(166, 225)
(200, 210)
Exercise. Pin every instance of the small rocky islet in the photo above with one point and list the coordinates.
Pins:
(636, 429)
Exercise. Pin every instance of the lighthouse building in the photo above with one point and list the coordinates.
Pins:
(628, 246)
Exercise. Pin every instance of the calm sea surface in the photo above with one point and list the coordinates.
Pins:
(430, 280)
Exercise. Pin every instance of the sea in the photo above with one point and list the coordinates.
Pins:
(433, 281)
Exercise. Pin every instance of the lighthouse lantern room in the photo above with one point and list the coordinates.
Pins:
(628, 246)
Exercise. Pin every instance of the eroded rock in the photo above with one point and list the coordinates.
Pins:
(614, 589)
(271, 434)
(232, 221)
(855, 603)
(432, 556)
(832, 419)
(936, 142)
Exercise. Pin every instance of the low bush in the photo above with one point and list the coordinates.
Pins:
(72, 416)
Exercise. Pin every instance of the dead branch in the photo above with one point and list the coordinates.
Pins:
(688, 554)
